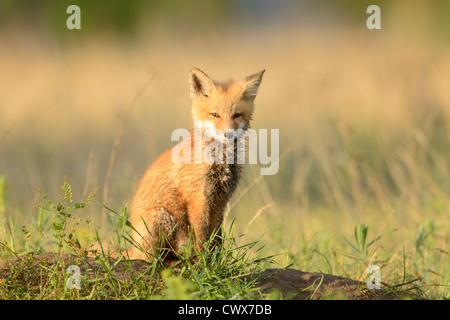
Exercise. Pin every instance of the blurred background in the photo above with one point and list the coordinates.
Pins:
(363, 114)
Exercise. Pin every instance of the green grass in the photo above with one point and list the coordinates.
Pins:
(211, 273)
(215, 275)
(226, 273)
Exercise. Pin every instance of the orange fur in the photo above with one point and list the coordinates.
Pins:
(173, 199)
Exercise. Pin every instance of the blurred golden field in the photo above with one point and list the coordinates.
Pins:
(364, 119)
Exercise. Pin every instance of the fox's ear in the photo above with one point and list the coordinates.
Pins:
(200, 84)
(251, 84)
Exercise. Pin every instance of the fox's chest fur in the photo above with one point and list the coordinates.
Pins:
(221, 181)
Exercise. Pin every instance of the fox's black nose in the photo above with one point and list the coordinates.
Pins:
(229, 135)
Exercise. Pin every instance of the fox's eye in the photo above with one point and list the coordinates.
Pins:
(236, 115)
(215, 115)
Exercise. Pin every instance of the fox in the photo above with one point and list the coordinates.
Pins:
(174, 200)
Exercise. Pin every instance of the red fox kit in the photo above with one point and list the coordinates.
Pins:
(173, 198)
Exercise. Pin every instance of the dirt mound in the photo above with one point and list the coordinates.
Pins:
(299, 285)
(290, 283)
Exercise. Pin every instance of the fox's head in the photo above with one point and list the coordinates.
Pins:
(224, 109)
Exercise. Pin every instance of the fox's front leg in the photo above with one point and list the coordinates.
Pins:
(198, 222)
(154, 232)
